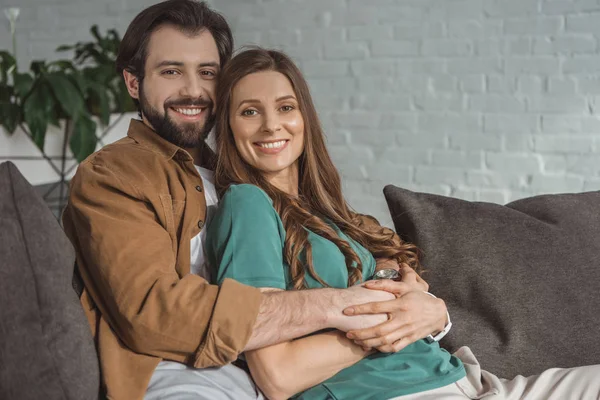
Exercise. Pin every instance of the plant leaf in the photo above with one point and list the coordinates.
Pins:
(10, 116)
(7, 63)
(7, 57)
(36, 109)
(99, 97)
(64, 65)
(79, 80)
(65, 47)
(84, 140)
(95, 33)
(38, 67)
(66, 93)
(6, 93)
(23, 83)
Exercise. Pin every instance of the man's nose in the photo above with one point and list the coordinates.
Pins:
(194, 87)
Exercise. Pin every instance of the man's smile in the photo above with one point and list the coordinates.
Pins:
(189, 113)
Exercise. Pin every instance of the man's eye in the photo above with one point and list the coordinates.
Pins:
(207, 73)
(248, 113)
(169, 72)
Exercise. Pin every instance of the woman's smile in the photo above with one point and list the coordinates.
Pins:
(272, 146)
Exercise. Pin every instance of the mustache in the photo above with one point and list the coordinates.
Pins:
(199, 102)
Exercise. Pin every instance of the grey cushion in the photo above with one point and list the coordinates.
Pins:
(521, 281)
(46, 348)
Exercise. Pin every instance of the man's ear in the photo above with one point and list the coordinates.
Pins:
(132, 83)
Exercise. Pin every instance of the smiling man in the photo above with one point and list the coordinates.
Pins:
(136, 217)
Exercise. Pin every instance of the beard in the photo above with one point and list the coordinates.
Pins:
(184, 135)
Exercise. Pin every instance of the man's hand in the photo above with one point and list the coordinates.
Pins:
(412, 315)
(357, 295)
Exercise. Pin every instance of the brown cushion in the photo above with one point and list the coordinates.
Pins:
(521, 281)
(46, 347)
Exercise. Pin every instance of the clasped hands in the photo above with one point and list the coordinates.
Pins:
(390, 315)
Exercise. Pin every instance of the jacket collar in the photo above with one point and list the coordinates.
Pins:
(148, 138)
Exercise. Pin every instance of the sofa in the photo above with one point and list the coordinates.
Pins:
(520, 281)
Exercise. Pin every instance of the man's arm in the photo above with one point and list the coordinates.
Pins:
(127, 261)
(291, 314)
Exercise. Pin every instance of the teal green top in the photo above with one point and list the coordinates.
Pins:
(245, 241)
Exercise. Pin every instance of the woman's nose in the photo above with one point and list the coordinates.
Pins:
(271, 123)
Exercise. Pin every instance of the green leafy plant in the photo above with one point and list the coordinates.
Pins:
(81, 91)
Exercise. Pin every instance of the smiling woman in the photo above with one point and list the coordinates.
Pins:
(268, 127)
(283, 224)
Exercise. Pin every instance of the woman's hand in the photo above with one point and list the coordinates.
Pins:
(412, 316)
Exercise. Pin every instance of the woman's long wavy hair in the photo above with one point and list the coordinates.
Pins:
(319, 193)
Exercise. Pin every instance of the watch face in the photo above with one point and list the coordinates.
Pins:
(387, 273)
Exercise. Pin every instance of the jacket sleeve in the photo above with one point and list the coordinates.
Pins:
(127, 262)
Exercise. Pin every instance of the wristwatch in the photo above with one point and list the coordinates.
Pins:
(439, 336)
(387, 273)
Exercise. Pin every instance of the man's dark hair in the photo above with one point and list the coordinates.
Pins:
(190, 16)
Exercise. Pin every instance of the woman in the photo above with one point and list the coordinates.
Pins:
(282, 208)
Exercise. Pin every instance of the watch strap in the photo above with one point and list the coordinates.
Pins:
(430, 338)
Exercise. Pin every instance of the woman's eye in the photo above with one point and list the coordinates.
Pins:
(287, 108)
(248, 113)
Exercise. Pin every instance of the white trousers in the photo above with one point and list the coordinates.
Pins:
(174, 381)
(581, 383)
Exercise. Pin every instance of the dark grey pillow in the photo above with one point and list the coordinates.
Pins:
(46, 347)
(521, 281)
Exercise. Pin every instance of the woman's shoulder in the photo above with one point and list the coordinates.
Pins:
(245, 196)
(245, 190)
(241, 205)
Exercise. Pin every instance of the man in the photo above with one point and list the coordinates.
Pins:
(136, 215)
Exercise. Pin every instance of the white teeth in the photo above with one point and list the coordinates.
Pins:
(273, 145)
(189, 111)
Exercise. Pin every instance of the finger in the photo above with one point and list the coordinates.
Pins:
(393, 325)
(374, 331)
(379, 307)
(423, 283)
(410, 276)
(387, 285)
(385, 340)
(397, 346)
(408, 273)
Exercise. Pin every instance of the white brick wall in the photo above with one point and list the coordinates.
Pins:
(480, 99)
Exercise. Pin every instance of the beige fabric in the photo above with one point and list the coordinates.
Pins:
(581, 383)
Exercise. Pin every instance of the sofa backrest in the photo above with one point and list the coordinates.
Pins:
(46, 347)
(521, 281)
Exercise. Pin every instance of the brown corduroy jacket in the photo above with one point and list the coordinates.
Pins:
(134, 206)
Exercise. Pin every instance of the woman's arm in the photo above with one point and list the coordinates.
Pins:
(285, 369)
(245, 242)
